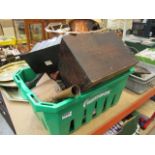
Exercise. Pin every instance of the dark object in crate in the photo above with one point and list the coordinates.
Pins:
(44, 56)
(140, 71)
(88, 59)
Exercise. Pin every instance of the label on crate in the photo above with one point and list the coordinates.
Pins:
(89, 101)
(48, 62)
(66, 115)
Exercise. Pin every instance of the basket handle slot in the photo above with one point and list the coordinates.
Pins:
(104, 104)
(33, 98)
(72, 126)
(84, 116)
(17, 78)
(113, 100)
(94, 112)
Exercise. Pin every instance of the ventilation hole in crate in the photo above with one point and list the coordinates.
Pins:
(113, 100)
(17, 78)
(84, 117)
(71, 126)
(104, 104)
(48, 104)
(94, 112)
(34, 98)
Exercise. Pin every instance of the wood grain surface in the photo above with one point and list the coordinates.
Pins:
(88, 59)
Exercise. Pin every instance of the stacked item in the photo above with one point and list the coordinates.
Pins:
(8, 54)
(73, 26)
(8, 86)
(140, 83)
(7, 41)
(147, 55)
(138, 44)
(144, 80)
(84, 75)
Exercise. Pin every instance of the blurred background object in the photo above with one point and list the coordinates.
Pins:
(83, 25)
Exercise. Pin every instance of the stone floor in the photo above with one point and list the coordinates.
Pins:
(4, 127)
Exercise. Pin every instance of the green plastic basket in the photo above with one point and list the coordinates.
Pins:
(70, 114)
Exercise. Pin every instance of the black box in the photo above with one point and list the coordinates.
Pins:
(44, 56)
(90, 58)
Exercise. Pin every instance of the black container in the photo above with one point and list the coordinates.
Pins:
(44, 56)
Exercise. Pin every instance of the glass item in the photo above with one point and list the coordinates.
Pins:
(36, 32)
(20, 31)
(7, 71)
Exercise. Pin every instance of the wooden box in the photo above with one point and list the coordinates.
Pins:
(90, 58)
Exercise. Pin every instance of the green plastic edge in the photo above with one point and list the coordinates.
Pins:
(40, 106)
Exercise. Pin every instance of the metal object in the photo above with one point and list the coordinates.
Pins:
(58, 28)
(140, 84)
(7, 71)
(83, 25)
(8, 84)
(46, 88)
(75, 26)
(141, 70)
(69, 92)
(13, 94)
(31, 84)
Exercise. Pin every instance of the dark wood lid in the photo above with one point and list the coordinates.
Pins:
(100, 55)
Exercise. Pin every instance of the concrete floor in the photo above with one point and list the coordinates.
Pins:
(4, 127)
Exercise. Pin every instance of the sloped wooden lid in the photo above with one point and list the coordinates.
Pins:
(100, 55)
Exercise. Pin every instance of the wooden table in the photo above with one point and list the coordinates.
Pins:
(25, 121)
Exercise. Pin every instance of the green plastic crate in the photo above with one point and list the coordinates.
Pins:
(70, 114)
